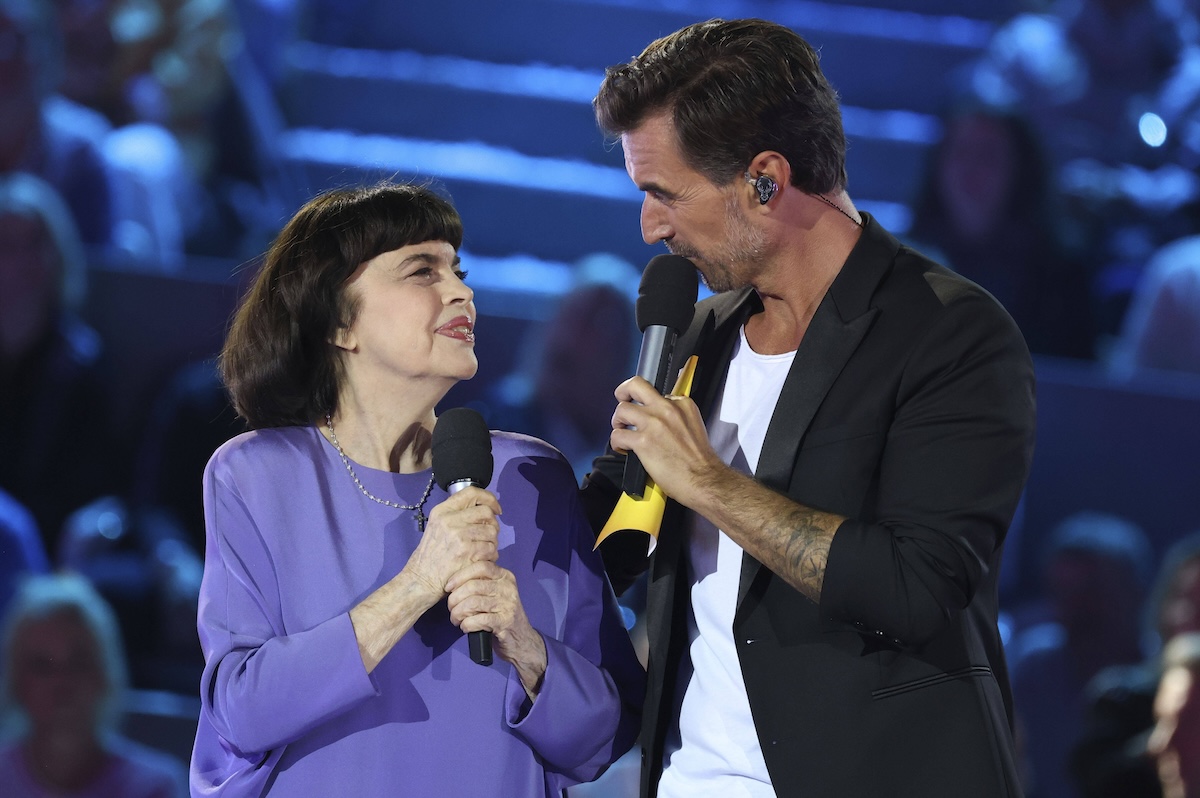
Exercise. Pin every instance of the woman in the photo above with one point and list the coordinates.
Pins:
(63, 674)
(340, 580)
(988, 206)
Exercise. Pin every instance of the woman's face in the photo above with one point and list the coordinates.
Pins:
(975, 173)
(58, 677)
(415, 321)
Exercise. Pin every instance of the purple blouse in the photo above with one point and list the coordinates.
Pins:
(293, 545)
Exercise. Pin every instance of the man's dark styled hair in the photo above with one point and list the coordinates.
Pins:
(734, 89)
(279, 363)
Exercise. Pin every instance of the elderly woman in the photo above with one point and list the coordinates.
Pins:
(340, 579)
(63, 675)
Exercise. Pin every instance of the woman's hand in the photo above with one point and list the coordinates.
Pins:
(484, 596)
(461, 530)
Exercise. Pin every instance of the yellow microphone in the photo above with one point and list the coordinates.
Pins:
(645, 514)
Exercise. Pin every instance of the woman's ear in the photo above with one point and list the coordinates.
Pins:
(344, 338)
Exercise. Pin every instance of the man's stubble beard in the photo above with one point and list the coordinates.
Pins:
(739, 260)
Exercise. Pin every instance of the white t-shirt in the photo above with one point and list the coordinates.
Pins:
(714, 750)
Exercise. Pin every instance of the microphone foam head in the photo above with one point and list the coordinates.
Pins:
(667, 293)
(462, 448)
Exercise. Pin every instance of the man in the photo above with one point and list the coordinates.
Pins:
(1175, 741)
(827, 626)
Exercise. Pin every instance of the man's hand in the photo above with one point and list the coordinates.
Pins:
(669, 437)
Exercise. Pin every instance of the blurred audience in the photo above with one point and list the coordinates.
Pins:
(988, 207)
(1096, 78)
(139, 560)
(1095, 574)
(1175, 742)
(562, 389)
(1084, 71)
(189, 419)
(34, 136)
(205, 87)
(1110, 760)
(1161, 330)
(187, 116)
(21, 550)
(55, 447)
(63, 676)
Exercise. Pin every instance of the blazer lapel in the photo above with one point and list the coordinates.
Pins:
(839, 325)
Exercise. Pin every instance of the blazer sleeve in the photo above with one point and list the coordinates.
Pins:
(953, 466)
(624, 555)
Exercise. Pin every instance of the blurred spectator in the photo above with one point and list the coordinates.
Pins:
(188, 421)
(1175, 742)
(202, 85)
(63, 677)
(1084, 72)
(562, 391)
(1110, 760)
(151, 182)
(1162, 327)
(140, 562)
(21, 550)
(54, 452)
(144, 554)
(1094, 76)
(190, 121)
(36, 139)
(988, 207)
(1095, 574)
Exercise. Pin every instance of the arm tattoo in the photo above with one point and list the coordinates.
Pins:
(790, 539)
(805, 549)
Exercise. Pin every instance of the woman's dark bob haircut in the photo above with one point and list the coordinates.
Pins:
(278, 363)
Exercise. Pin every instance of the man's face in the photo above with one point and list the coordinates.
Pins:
(1175, 742)
(705, 223)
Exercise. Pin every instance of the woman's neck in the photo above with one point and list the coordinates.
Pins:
(392, 440)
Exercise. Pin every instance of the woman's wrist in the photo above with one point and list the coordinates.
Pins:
(530, 664)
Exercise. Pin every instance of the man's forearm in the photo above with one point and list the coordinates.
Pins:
(790, 539)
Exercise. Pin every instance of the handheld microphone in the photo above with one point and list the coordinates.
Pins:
(462, 457)
(665, 304)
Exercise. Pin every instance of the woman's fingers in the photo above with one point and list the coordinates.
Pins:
(462, 530)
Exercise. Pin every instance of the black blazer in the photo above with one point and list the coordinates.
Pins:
(909, 409)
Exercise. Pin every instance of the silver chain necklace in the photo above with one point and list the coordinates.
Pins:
(838, 208)
(419, 506)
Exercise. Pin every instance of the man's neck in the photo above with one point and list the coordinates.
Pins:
(806, 264)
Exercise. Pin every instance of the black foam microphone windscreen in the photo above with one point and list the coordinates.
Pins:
(462, 457)
(665, 304)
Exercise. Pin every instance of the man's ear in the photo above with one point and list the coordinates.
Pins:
(769, 170)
